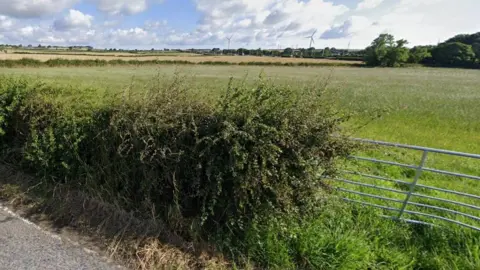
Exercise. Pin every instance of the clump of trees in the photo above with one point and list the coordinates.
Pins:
(386, 52)
(419, 54)
(459, 51)
(454, 54)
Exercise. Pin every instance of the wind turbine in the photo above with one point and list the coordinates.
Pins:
(348, 48)
(277, 44)
(229, 40)
(312, 40)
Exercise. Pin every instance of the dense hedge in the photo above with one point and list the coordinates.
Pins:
(258, 150)
(61, 62)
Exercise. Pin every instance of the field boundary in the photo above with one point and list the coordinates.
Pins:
(420, 217)
(60, 62)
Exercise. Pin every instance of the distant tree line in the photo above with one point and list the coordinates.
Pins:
(290, 52)
(459, 51)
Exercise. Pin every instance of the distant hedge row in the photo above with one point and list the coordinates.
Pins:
(59, 62)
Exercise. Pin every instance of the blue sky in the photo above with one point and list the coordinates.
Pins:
(253, 23)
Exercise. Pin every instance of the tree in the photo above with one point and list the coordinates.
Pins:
(288, 52)
(242, 51)
(275, 53)
(465, 39)
(454, 54)
(476, 50)
(266, 52)
(327, 52)
(311, 52)
(418, 54)
(397, 54)
(386, 52)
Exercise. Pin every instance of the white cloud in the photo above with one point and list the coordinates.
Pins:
(131, 37)
(5, 23)
(116, 7)
(244, 23)
(427, 21)
(369, 4)
(33, 8)
(51, 40)
(253, 23)
(154, 25)
(74, 20)
(348, 28)
(87, 37)
(28, 31)
(259, 22)
(110, 23)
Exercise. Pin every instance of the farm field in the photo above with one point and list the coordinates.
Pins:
(177, 57)
(96, 53)
(417, 106)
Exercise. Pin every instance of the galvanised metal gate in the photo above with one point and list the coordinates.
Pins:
(413, 201)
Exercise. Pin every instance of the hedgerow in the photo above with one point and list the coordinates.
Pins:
(258, 150)
(62, 62)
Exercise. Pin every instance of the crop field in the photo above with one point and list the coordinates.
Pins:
(429, 107)
(168, 57)
(95, 53)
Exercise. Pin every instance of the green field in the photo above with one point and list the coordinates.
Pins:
(419, 106)
(437, 108)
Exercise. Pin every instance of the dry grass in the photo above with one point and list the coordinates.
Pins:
(136, 243)
(100, 53)
(193, 59)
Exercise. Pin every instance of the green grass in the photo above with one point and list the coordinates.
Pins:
(419, 106)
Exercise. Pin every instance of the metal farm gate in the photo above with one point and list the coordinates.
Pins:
(431, 196)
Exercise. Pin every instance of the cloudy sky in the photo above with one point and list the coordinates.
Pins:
(253, 23)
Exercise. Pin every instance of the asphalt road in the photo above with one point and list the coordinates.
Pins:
(24, 245)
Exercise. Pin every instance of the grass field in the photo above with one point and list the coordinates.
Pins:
(428, 107)
(418, 106)
(175, 57)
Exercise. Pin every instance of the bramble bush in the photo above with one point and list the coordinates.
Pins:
(257, 150)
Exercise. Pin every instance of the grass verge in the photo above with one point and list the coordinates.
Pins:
(136, 243)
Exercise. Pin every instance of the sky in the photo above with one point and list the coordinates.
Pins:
(146, 24)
